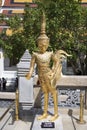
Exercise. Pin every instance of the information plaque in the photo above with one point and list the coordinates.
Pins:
(47, 125)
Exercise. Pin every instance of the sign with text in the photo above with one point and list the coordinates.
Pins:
(47, 125)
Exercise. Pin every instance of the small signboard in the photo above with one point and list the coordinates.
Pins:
(47, 125)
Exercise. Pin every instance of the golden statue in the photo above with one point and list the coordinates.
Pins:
(48, 76)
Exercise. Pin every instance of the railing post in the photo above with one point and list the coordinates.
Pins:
(81, 120)
(85, 98)
(17, 105)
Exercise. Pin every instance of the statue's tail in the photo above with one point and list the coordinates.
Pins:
(60, 54)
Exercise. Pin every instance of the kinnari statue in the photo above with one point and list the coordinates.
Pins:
(48, 76)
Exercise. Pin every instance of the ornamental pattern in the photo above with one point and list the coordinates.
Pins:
(66, 98)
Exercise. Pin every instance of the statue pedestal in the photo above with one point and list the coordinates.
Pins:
(57, 123)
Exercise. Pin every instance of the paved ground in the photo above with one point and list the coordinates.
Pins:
(69, 119)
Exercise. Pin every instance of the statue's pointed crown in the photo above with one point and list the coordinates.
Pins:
(43, 27)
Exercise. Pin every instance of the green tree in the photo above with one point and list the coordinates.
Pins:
(10, 43)
(64, 27)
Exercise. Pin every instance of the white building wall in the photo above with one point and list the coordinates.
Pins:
(1, 63)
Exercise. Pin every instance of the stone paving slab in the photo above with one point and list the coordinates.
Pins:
(2, 110)
(5, 123)
(9, 123)
(21, 125)
(70, 123)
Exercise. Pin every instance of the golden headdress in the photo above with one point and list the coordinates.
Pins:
(43, 27)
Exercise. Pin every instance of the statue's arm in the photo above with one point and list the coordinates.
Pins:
(32, 63)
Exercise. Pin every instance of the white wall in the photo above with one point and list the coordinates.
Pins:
(1, 63)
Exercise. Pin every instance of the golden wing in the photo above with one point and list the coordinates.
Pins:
(57, 66)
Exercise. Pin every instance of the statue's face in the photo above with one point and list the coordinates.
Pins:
(43, 45)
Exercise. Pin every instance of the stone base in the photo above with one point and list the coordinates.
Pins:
(37, 124)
